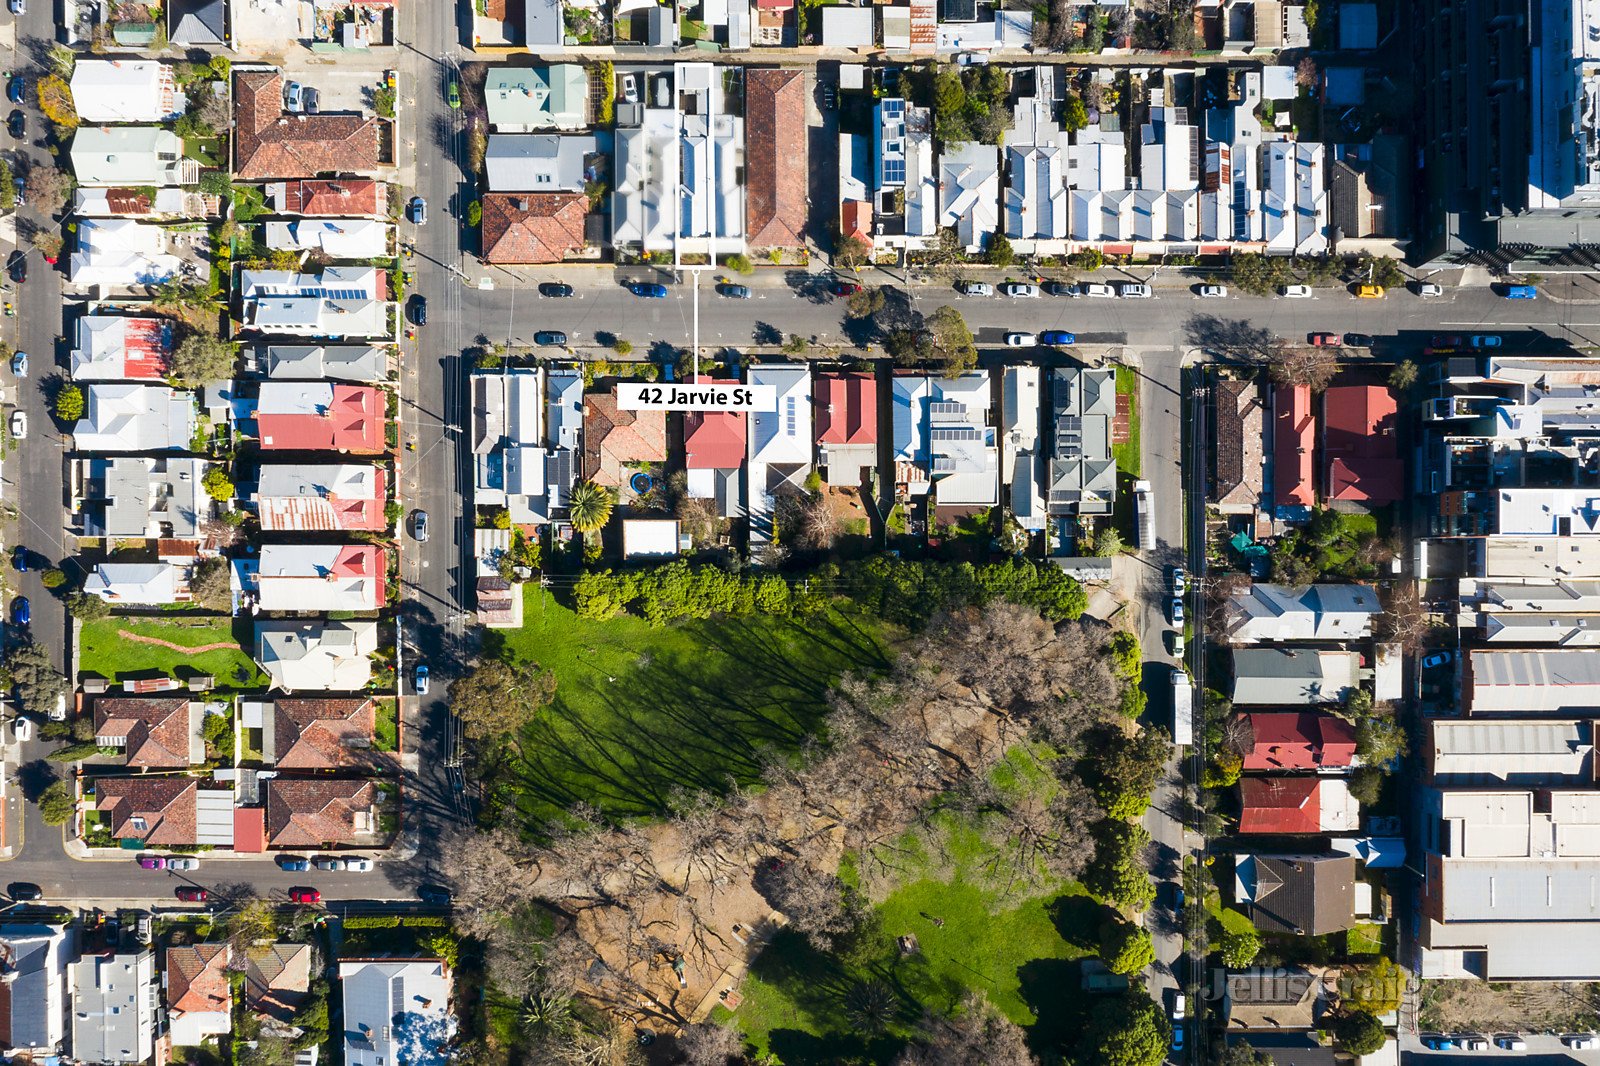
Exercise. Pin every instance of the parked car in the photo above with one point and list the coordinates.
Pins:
(1581, 1041)
(1179, 1003)
(1135, 290)
(19, 559)
(1474, 1043)
(19, 425)
(17, 124)
(1213, 292)
(19, 364)
(1438, 1043)
(420, 680)
(1521, 292)
(293, 864)
(24, 891)
(18, 7)
(1177, 610)
(192, 894)
(434, 895)
(1177, 642)
(1020, 290)
(1369, 292)
(1021, 340)
(844, 288)
(1438, 658)
(417, 211)
(1098, 290)
(22, 730)
(557, 289)
(183, 862)
(153, 862)
(1358, 340)
(15, 88)
(419, 309)
(1446, 340)
(1428, 288)
(1510, 1042)
(419, 526)
(1177, 1038)
(304, 895)
(1058, 337)
(452, 93)
(17, 266)
(58, 712)
(1485, 340)
(648, 290)
(1180, 581)
(1296, 292)
(1324, 340)
(358, 865)
(734, 292)
(21, 612)
(550, 338)
(975, 288)
(330, 865)
(294, 97)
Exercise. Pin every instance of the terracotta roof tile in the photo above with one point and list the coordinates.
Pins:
(324, 734)
(775, 157)
(613, 438)
(197, 978)
(168, 806)
(155, 731)
(315, 813)
(541, 227)
(268, 143)
(342, 198)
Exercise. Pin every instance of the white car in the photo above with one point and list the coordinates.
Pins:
(1510, 1043)
(1020, 290)
(358, 866)
(58, 713)
(22, 729)
(1213, 292)
(1581, 1041)
(183, 862)
(1428, 288)
(1179, 1004)
(19, 425)
(1474, 1043)
(1021, 340)
(1104, 292)
(1295, 292)
(976, 288)
(1135, 290)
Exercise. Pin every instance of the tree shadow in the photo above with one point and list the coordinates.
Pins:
(1078, 920)
(1052, 989)
(813, 288)
(34, 777)
(766, 333)
(1229, 338)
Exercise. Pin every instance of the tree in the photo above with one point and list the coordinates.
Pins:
(87, 607)
(739, 263)
(1305, 73)
(209, 584)
(1403, 376)
(819, 906)
(1366, 785)
(383, 101)
(49, 186)
(1107, 542)
(977, 1035)
(497, 699)
(8, 187)
(1125, 1030)
(47, 243)
(621, 346)
(1240, 947)
(1382, 270)
(475, 213)
(202, 358)
(1380, 739)
(55, 100)
(710, 1044)
(53, 578)
(851, 252)
(1126, 948)
(950, 106)
(56, 804)
(796, 345)
(1303, 364)
(217, 484)
(69, 403)
(1360, 1033)
(1242, 1054)
(1001, 254)
(864, 304)
(952, 341)
(589, 507)
(1074, 116)
(1375, 987)
(1118, 873)
(38, 682)
(1127, 768)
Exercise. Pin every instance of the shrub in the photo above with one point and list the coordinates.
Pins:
(52, 578)
(475, 213)
(1240, 947)
(216, 484)
(739, 264)
(69, 403)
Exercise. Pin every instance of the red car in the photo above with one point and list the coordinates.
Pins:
(845, 288)
(304, 895)
(190, 894)
(1324, 340)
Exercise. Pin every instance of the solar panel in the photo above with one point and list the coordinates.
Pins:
(894, 170)
(955, 433)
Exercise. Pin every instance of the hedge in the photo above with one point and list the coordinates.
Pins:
(395, 921)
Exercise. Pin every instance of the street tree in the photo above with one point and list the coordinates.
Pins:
(864, 304)
(497, 699)
(1303, 364)
(1118, 873)
(1126, 769)
(55, 803)
(87, 607)
(1404, 375)
(1126, 948)
(69, 403)
(1125, 1030)
(851, 252)
(952, 341)
(39, 683)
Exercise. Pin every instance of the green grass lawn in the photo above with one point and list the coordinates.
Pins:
(1364, 939)
(640, 710)
(1127, 453)
(104, 651)
(386, 727)
(208, 150)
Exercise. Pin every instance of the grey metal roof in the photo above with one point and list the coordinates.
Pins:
(200, 23)
(1293, 677)
(114, 1008)
(1512, 750)
(316, 362)
(1534, 681)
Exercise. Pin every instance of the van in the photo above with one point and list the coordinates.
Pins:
(1428, 288)
(1521, 292)
(1135, 290)
(1180, 1004)
(1369, 292)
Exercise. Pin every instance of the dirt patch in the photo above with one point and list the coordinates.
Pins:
(1482, 1006)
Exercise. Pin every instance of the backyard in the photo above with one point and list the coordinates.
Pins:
(1127, 452)
(120, 648)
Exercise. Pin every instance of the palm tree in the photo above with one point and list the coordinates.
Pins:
(590, 507)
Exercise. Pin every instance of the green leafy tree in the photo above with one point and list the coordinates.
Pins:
(1126, 948)
(53, 578)
(497, 699)
(1403, 376)
(39, 684)
(1240, 947)
(1107, 543)
(8, 187)
(56, 804)
(864, 304)
(475, 213)
(952, 341)
(1001, 254)
(1375, 987)
(1359, 1033)
(1118, 872)
(86, 607)
(851, 252)
(1126, 654)
(217, 484)
(69, 403)
(1127, 769)
(1380, 739)
(202, 358)
(1366, 785)
(589, 507)
(739, 263)
(950, 106)
(383, 101)
(1074, 116)
(1125, 1030)
(1243, 1054)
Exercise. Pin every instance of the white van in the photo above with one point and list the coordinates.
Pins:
(1135, 290)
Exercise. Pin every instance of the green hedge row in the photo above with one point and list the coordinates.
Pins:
(396, 921)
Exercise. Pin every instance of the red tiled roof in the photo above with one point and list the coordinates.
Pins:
(714, 440)
(268, 143)
(613, 438)
(129, 202)
(168, 806)
(1301, 740)
(847, 409)
(156, 732)
(1280, 805)
(324, 734)
(342, 197)
(197, 978)
(352, 423)
(775, 157)
(541, 227)
(249, 830)
(1360, 445)
(1292, 443)
(316, 813)
(855, 220)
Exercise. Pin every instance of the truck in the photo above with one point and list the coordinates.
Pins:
(1182, 706)
(1143, 515)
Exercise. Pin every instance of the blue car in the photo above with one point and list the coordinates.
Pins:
(1521, 292)
(648, 290)
(293, 864)
(1057, 336)
(14, 87)
(19, 364)
(1438, 1043)
(21, 560)
(20, 611)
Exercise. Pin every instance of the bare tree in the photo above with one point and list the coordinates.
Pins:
(818, 904)
(806, 520)
(1405, 619)
(1305, 73)
(707, 1044)
(978, 1035)
(1302, 364)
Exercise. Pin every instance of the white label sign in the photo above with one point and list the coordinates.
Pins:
(704, 396)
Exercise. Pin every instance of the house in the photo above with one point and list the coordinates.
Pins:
(1238, 478)
(524, 99)
(136, 496)
(165, 812)
(396, 1010)
(776, 193)
(142, 202)
(1303, 895)
(337, 302)
(998, 30)
(316, 656)
(652, 538)
(714, 454)
(1299, 740)
(1511, 751)
(1360, 445)
(1294, 428)
(1547, 682)
(943, 441)
(616, 441)
(131, 156)
(277, 980)
(1332, 613)
(1563, 613)
(198, 23)
(1293, 677)
(268, 143)
(334, 238)
(1275, 998)
(848, 27)
(540, 163)
(329, 198)
(121, 253)
(846, 421)
(497, 599)
(314, 416)
(121, 348)
(323, 812)
(1020, 446)
(311, 497)
(969, 192)
(904, 193)
(1083, 472)
(153, 732)
(1037, 207)
(780, 442)
(114, 1008)
(199, 992)
(646, 174)
(125, 90)
(319, 733)
(533, 227)
(135, 418)
(1297, 805)
(1507, 886)
(33, 986)
(1545, 512)
(365, 363)
(137, 583)
(526, 429)
(315, 577)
